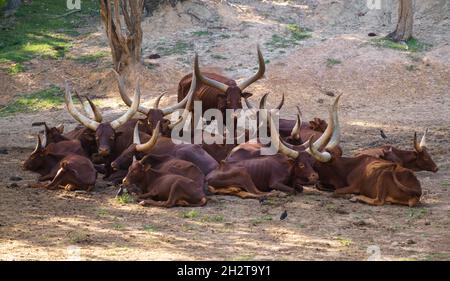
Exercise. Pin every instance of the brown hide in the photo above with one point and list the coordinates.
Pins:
(212, 97)
(164, 181)
(44, 161)
(164, 146)
(375, 180)
(414, 160)
(74, 172)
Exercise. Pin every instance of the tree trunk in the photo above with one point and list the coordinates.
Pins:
(404, 29)
(125, 43)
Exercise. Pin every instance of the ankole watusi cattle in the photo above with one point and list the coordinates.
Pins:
(45, 159)
(155, 114)
(217, 91)
(74, 172)
(158, 145)
(165, 181)
(376, 181)
(417, 160)
(249, 174)
(108, 135)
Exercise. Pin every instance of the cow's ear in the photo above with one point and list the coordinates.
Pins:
(246, 95)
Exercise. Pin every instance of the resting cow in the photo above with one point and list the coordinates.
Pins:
(217, 91)
(417, 160)
(164, 181)
(376, 181)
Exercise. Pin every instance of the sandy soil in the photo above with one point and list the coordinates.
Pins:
(381, 91)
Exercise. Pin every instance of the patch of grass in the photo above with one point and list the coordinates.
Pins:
(94, 57)
(201, 33)
(218, 57)
(190, 214)
(118, 226)
(124, 198)
(282, 41)
(179, 48)
(437, 256)
(445, 184)
(417, 213)
(344, 241)
(213, 218)
(407, 259)
(260, 220)
(331, 62)
(103, 213)
(149, 228)
(412, 45)
(411, 67)
(15, 68)
(38, 30)
(38, 101)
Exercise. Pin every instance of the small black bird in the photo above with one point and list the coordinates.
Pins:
(383, 135)
(283, 215)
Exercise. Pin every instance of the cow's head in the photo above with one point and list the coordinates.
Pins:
(231, 95)
(135, 180)
(37, 158)
(126, 157)
(423, 161)
(105, 132)
(52, 134)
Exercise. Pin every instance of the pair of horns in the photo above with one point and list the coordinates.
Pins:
(242, 85)
(93, 124)
(143, 109)
(330, 138)
(423, 142)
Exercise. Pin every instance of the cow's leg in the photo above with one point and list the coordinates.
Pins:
(370, 201)
(229, 178)
(351, 189)
(282, 187)
(151, 202)
(56, 180)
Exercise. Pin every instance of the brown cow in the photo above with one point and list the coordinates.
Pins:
(376, 181)
(75, 172)
(164, 146)
(106, 133)
(417, 160)
(167, 183)
(44, 159)
(249, 174)
(217, 91)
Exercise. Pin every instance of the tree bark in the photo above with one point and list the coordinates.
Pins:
(404, 29)
(125, 41)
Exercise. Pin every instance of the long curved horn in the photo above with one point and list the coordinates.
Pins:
(326, 136)
(91, 124)
(123, 93)
(38, 144)
(262, 101)
(295, 133)
(131, 111)
(136, 139)
(147, 147)
(280, 105)
(210, 82)
(96, 112)
(423, 141)
(249, 104)
(258, 75)
(336, 137)
(190, 96)
(275, 139)
(319, 156)
(158, 99)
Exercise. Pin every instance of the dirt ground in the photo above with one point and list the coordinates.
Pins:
(397, 91)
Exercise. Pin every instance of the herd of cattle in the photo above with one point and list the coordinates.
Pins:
(140, 155)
